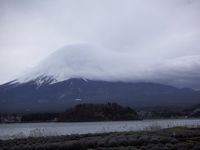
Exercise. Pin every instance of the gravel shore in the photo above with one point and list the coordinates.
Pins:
(178, 138)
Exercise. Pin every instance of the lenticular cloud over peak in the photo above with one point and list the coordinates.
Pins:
(97, 63)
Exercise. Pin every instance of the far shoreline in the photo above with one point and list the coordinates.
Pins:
(152, 119)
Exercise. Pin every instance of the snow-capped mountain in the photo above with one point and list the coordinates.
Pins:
(76, 74)
(94, 63)
(74, 61)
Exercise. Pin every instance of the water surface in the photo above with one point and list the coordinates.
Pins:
(20, 130)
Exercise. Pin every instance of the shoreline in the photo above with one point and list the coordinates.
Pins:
(171, 138)
(152, 119)
(45, 129)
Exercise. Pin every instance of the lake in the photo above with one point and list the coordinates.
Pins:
(21, 130)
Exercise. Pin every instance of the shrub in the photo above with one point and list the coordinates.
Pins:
(196, 147)
(155, 139)
(113, 142)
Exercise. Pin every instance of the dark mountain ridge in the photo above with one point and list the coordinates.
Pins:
(46, 97)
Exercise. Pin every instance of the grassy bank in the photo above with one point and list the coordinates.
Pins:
(178, 138)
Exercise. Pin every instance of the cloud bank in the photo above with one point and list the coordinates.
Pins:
(134, 40)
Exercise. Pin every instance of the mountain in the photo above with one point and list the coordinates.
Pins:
(74, 61)
(48, 97)
(77, 74)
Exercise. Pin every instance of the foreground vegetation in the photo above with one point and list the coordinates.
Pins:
(178, 138)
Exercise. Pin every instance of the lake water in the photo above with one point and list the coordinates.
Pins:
(20, 130)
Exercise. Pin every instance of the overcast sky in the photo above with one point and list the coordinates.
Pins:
(159, 37)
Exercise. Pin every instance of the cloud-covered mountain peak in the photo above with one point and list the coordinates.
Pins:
(73, 61)
(96, 63)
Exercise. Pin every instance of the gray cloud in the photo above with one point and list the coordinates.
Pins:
(147, 40)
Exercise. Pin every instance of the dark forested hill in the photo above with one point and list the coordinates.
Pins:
(98, 112)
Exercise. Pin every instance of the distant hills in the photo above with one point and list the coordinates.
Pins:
(56, 97)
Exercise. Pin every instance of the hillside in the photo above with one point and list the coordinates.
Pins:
(29, 97)
(98, 112)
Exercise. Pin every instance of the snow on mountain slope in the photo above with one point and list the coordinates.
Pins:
(94, 63)
(78, 61)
